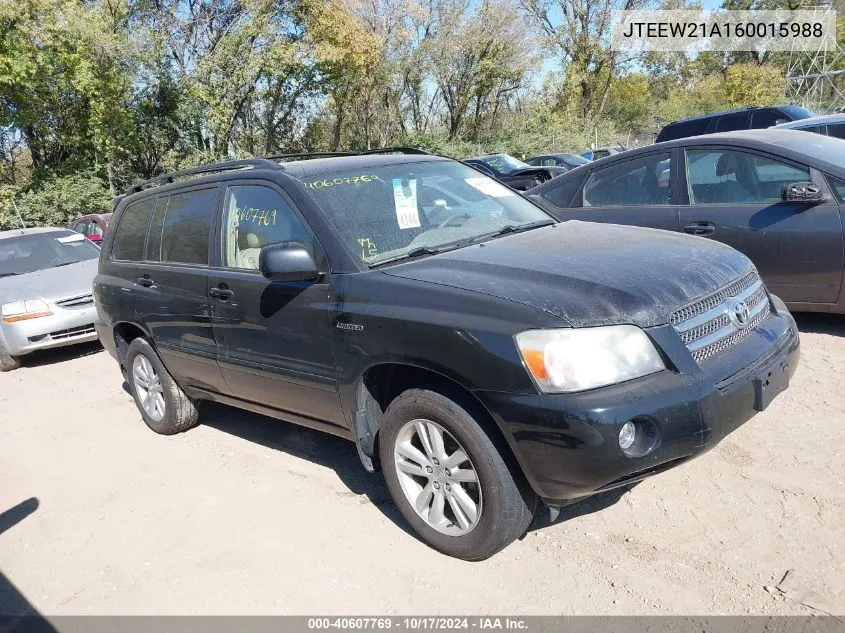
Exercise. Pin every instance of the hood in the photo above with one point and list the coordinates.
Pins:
(51, 284)
(587, 273)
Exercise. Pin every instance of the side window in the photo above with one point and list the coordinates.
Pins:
(636, 182)
(562, 195)
(731, 122)
(95, 229)
(727, 176)
(838, 187)
(132, 230)
(836, 130)
(767, 118)
(254, 217)
(186, 229)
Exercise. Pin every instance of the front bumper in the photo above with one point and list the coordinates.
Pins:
(64, 327)
(567, 444)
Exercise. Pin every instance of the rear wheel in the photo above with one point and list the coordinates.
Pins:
(162, 403)
(7, 361)
(448, 478)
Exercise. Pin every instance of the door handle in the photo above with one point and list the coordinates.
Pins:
(145, 281)
(221, 293)
(700, 228)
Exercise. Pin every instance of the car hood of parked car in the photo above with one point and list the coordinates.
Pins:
(587, 273)
(50, 284)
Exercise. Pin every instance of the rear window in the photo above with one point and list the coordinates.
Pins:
(132, 230)
(683, 129)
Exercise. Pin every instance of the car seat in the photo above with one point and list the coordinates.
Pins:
(730, 190)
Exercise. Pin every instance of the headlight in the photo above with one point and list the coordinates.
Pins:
(577, 359)
(23, 310)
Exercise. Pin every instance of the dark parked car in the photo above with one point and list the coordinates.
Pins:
(567, 161)
(482, 361)
(92, 226)
(776, 195)
(732, 120)
(512, 171)
(829, 124)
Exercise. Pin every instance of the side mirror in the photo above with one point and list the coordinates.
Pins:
(802, 192)
(288, 261)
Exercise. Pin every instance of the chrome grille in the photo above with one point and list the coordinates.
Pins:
(76, 302)
(705, 326)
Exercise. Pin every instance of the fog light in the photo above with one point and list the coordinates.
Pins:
(627, 435)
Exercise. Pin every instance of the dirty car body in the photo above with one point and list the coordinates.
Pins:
(496, 307)
(46, 278)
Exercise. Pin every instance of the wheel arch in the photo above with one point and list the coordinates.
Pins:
(124, 333)
(379, 385)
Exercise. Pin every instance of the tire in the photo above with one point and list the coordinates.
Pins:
(503, 502)
(172, 412)
(7, 361)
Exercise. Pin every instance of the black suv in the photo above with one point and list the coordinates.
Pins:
(481, 353)
(752, 118)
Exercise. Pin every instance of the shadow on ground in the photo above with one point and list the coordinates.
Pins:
(547, 517)
(60, 354)
(818, 323)
(16, 612)
(314, 446)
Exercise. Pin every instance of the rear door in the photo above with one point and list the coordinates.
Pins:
(636, 191)
(734, 196)
(274, 337)
(171, 289)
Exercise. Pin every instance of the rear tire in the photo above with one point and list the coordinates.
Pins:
(468, 506)
(162, 403)
(7, 361)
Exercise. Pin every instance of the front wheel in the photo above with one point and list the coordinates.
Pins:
(448, 479)
(7, 361)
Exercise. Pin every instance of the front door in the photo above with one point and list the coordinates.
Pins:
(274, 338)
(735, 198)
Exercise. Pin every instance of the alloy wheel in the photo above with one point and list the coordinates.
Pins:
(148, 387)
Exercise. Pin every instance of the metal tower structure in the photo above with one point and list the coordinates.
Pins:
(816, 79)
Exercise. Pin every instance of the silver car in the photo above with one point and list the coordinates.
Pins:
(46, 277)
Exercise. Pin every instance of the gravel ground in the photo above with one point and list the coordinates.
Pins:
(247, 515)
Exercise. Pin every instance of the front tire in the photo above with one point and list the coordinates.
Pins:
(448, 479)
(162, 403)
(7, 361)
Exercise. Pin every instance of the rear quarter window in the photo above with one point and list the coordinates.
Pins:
(132, 230)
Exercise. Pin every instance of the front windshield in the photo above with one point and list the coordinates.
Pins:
(394, 211)
(28, 253)
(504, 163)
(574, 161)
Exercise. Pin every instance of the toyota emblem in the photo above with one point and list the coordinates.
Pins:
(738, 313)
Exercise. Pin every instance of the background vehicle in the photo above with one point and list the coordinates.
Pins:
(829, 124)
(92, 226)
(484, 360)
(513, 172)
(45, 291)
(602, 152)
(731, 120)
(736, 188)
(567, 161)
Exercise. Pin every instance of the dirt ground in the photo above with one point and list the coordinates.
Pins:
(247, 515)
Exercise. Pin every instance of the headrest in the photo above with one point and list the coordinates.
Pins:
(727, 164)
(252, 241)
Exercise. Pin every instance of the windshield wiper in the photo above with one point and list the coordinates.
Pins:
(64, 264)
(514, 228)
(415, 252)
(8, 274)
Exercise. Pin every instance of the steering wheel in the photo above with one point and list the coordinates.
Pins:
(452, 217)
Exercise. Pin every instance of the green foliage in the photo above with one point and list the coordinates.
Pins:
(56, 200)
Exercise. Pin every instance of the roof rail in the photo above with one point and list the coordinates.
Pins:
(365, 152)
(205, 169)
(306, 155)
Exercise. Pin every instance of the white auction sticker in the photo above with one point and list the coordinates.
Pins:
(405, 199)
(489, 187)
(68, 239)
